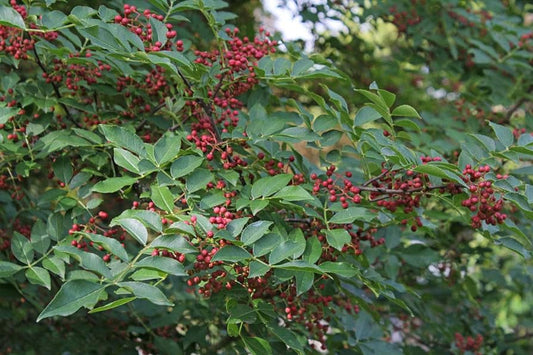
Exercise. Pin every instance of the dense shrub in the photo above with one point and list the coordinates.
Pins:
(170, 185)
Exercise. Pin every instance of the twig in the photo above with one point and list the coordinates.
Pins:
(513, 108)
(56, 90)
(207, 109)
(383, 173)
(402, 192)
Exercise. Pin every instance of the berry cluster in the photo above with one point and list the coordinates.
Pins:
(238, 62)
(154, 88)
(12, 41)
(139, 23)
(469, 344)
(482, 198)
(76, 76)
(404, 19)
(345, 193)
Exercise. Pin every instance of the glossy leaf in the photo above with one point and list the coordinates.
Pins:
(71, 297)
(135, 228)
(146, 291)
(254, 231)
(164, 264)
(231, 253)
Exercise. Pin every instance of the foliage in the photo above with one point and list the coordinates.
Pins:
(177, 187)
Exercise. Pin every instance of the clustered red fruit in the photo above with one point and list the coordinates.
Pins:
(469, 344)
(482, 197)
(76, 76)
(345, 194)
(154, 87)
(12, 40)
(13, 185)
(23, 228)
(139, 23)
(238, 62)
(404, 19)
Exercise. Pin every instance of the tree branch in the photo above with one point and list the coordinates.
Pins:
(56, 89)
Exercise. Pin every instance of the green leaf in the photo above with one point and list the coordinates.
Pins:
(257, 269)
(87, 260)
(198, 180)
(351, 214)
(504, 134)
(113, 184)
(514, 245)
(38, 276)
(407, 124)
(266, 244)
(235, 226)
(304, 281)
(150, 219)
(376, 99)
(11, 18)
(159, 29)
(124, 138)
(294, 193)
(146, 291)
(257, 346)
(127, 160)
(110, 244)
(162, 197)
(383, 111)
(240, 313)
(185, 165)
(232, 329)
(364, 115)
(55, 265)
(299, 265)
(114, 304)
(313, 250)
(135, 228)
(72, 296)
(285, 250)
(257, 206)
(269, 185)
(7, 112)
(487, 142)
(339, 268)
(165, 264)
(40, 240)
(519, 200)
(7, 269)
(231, 253)
(254, 231)
(144, 274)
(62, 169)
(21, 248)
(419, 255)
(166, 148)
(337, 238)
(405, 111)
(288, 337)
(388, 97)
(434, 170)
(174, 242)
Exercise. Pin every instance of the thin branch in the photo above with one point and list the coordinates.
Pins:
(383, 173)
(402, 192)
(513, 108)
(152, 112)
(207, 109)
(56, 89)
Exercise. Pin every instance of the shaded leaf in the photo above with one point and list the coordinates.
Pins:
(72, 296)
